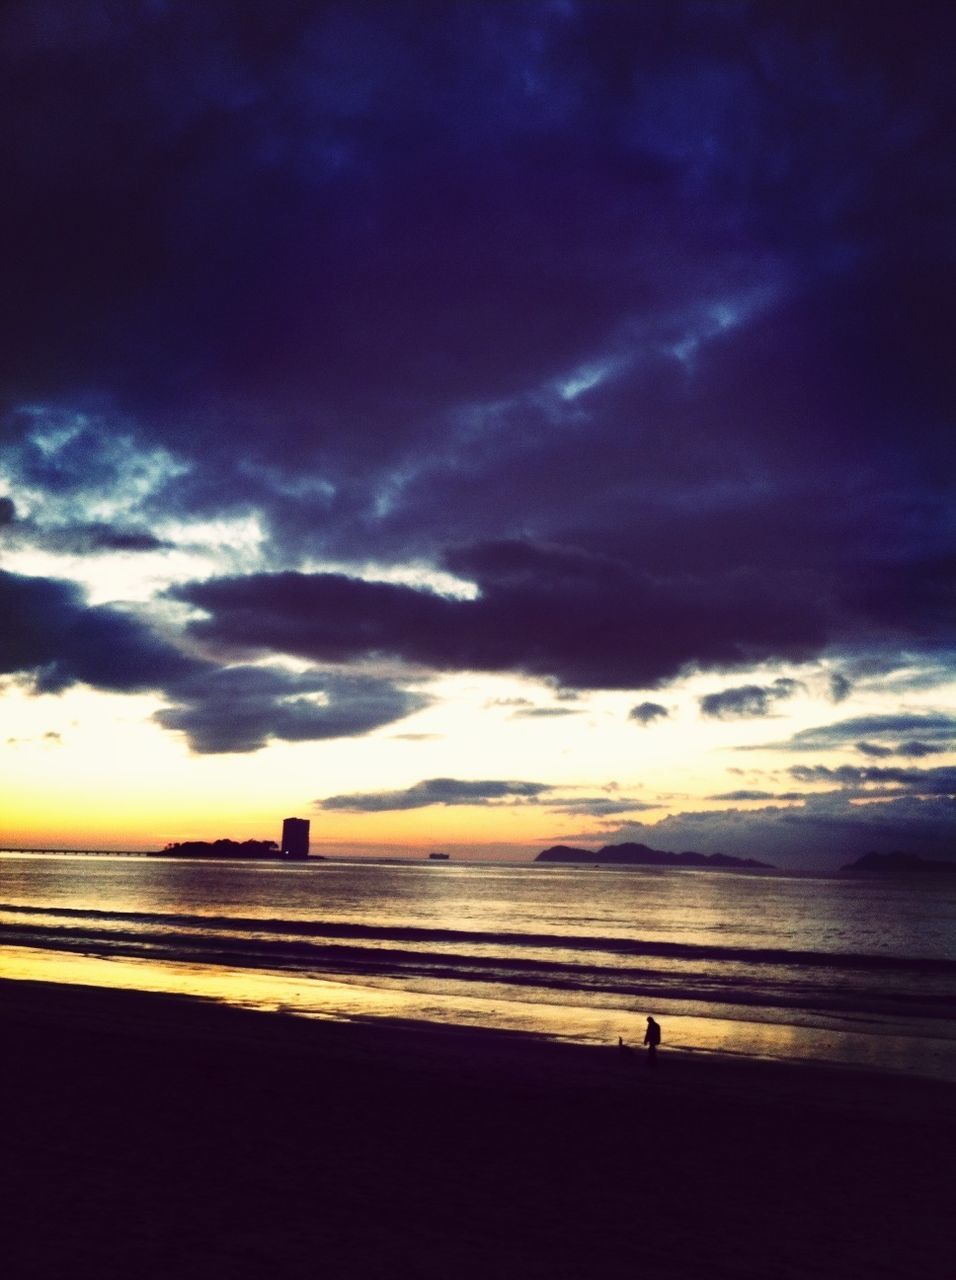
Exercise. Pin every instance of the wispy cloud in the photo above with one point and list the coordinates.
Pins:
(437, 791)
(773, 796)
(600, 806)
(902, 734)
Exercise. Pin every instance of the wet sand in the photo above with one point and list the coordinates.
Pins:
(154, 1136)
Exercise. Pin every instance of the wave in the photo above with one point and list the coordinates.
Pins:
(909, 997)
(632, 985)
(255, 926)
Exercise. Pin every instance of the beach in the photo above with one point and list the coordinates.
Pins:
(160, 1136)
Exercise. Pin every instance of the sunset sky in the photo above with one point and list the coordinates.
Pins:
(477, 426)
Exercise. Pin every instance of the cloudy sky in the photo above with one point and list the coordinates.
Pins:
(479, 425)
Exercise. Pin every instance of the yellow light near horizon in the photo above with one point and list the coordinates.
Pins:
(88, 768)
(113, 778)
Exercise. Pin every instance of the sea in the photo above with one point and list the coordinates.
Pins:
(844, 970)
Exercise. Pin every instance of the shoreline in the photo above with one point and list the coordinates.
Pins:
(447, 1045)
(141, 1012)
(920, 1053)
(171, 1136)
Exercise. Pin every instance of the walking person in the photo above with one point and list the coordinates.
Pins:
(652, 1038)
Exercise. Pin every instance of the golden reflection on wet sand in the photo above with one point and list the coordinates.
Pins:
(349, 1001)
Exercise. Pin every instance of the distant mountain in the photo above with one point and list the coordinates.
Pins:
(899, 864)
(640, 855)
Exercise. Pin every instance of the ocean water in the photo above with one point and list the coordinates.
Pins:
(856, 971)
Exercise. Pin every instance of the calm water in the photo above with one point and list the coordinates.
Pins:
(860, 971)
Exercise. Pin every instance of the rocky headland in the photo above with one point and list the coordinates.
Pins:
(641, 855)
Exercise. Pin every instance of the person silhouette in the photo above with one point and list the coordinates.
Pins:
(652, 1038)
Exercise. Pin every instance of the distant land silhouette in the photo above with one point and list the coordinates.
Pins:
(221, 849)
(898, 864)
(640, 855)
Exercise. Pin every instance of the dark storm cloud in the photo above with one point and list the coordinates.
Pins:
(88, 539)
(50, 634)
(748, 699)
(443, 791)
(53, 637)
(240, 709)
(110, 538)
(587, 621)
(920, 782)
(648, 712)
(665, 284)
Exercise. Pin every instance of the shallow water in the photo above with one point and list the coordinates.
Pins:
(805, 967)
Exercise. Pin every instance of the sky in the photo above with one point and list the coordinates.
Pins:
(479, 426)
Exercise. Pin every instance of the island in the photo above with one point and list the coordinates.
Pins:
(438, 857)
(641, 855)
(223, 849)
(899, 864)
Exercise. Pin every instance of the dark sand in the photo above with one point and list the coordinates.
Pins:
(147, 1136)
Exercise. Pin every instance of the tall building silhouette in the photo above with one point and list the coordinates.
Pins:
(295, 838)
